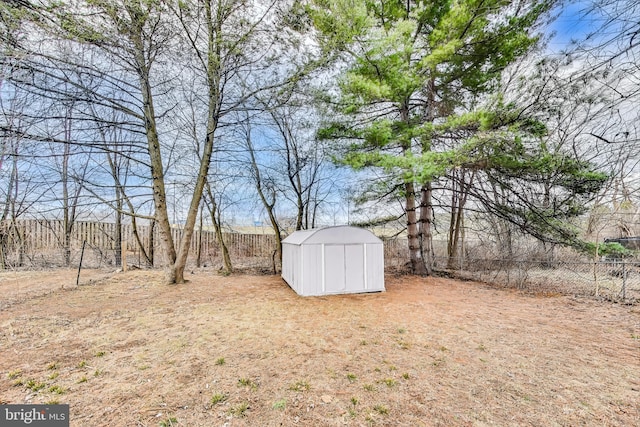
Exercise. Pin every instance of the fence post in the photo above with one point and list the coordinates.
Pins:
(80, 264)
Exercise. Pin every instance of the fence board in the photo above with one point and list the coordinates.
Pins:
(39, 237)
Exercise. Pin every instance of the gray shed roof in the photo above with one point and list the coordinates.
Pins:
(342, 234)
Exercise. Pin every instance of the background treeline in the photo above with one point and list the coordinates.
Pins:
(456, 121)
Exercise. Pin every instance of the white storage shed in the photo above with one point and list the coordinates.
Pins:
(333, 260)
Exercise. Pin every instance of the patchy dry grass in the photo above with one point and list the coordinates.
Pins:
(247, 351)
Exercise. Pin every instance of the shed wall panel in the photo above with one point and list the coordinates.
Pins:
(292, 266)
(354, 268)
(334, 269)
(335, 260)
(311, 270)
(375, 267)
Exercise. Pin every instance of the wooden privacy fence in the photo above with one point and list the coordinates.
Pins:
(41, 243)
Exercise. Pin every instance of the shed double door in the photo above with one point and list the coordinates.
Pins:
(344, 268)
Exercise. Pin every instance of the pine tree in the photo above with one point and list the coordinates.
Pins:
(414, 95)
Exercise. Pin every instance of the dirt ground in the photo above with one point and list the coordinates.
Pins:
(124, 350)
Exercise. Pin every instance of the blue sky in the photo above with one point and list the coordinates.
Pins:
(572, 24)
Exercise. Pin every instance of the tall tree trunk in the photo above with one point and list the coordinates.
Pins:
(3, 245)
(157, 173)
(454, 227)
(269, 205)
(68, 217)
(458, 201)
(9, 216)
(300, 202)
(547, 250)
(455, 231)
(426, 191)
(414, 228)
(426, 233)
(226, 257)
(118, 230)
(277, 260)
(174, 267)
(119, 208)
(152, 243)
(214, 65)
(199, 248)
(176, 274)
(143, 68)
(416, 260)
(147, 253)
(214, 211)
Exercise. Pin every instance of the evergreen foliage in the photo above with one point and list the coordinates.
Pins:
(420, 99)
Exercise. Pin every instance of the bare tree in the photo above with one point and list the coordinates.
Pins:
(213, 194)
(267, 190)
(213, 204)
(227, 41)
(303, 156)
(18, 188)
(132, 50)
